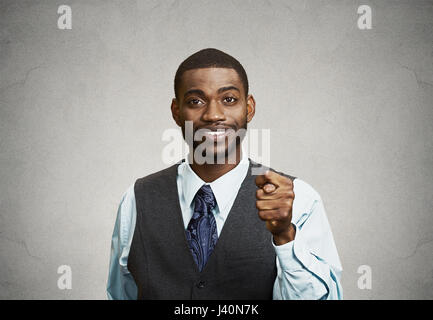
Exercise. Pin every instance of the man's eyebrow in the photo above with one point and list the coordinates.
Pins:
(201, 93)
(197, 91)
(220, 90)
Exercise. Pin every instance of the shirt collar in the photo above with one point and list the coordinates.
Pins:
(224, 188)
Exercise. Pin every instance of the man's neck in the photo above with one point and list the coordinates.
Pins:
(211, 172)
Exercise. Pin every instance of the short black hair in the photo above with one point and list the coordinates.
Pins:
(210, 58)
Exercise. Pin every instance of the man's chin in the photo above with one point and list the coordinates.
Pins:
(225, 157)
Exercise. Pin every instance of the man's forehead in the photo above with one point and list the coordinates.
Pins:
(210, 77)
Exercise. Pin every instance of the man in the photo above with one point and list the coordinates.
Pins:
(211, 229)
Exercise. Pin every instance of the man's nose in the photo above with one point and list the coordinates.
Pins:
(214, 112)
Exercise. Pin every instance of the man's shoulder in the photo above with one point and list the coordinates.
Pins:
(307, 199)
(300, 186)
(158, 176)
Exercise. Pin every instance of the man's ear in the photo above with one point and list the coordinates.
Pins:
(175, 112)
(251, 107)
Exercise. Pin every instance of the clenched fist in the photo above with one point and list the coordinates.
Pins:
(274, 200)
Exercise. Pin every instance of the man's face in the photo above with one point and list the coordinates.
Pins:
(213, 99)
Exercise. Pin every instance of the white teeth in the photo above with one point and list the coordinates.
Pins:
(215, 133)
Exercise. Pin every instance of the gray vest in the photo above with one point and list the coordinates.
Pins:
(242, 265)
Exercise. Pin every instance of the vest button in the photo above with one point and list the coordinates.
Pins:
(201, 284)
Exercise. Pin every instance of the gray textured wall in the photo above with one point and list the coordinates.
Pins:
(82, 113)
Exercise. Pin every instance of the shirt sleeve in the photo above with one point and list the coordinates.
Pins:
(121, 284)
(309, 266)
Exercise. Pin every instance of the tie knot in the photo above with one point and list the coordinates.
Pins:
(205, 194)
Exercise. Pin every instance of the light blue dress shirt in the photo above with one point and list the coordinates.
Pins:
(307, 267)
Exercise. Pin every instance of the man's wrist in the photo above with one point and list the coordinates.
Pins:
(285, 237)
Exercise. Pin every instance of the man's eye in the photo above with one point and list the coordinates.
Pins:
(230, 99)
(194, 101)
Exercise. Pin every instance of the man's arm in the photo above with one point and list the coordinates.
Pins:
(309, 266)
(121, 285)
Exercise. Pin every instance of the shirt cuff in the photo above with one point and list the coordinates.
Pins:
(293, 255)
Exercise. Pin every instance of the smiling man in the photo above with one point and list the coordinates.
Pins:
(207, 227)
